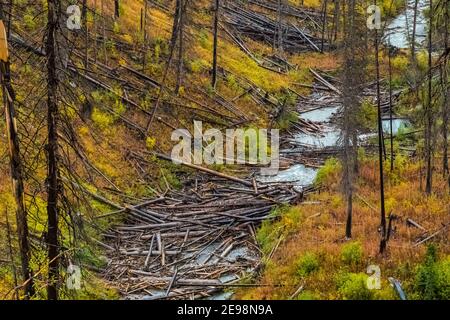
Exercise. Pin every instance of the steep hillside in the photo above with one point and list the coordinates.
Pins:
(97, 92)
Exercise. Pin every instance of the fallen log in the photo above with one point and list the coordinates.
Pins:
(213, 172)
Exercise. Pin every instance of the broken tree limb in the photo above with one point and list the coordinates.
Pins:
(213, 172)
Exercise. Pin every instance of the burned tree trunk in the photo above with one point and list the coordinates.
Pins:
(353, 75)
(176, 22)
(429, 111)
(216, 31)
(144, 29)
(336, 21)
(180, 46)
(15, 164)
(279, 35)
(117, 8)
(173, 40)
(54, 9)
(383, 241)
(324, 24)
(390, 109)
(413, 37)
(445, 102)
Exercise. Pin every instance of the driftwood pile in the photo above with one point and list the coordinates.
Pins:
(308, 15)
(327, 93)
(261, 27)
(192, 243)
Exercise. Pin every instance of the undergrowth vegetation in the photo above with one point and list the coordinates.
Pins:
(305, 246)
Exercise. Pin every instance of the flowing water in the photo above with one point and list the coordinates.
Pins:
(397, 34)
(299, 174)
(399, 31)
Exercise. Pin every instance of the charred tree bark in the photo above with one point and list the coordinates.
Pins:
(429, 112)
(54, 9)
(336, 18)
(216, 36)
(445, 102)
(176, 22)
(84, 13)
(279, 36)
(173, 40)
(390, 109)
(144, 29)
(11, 255)
(383, 241)
(354, 62)
(117, 8)
(413, 37)
(324, 24)
(180, 46)
(16, 168)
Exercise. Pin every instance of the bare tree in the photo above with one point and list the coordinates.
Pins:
(144, 29)
(54, 10)
(336, 21)
(324, 23)
(11, 255)
(16, 165)
(278, 41)
(429, 111)
(173, 41)
(117, 8)
(216, 31)
(182, 22)
(390, 108)
(446, 93)
(413, 37)
(353, 75)
(383, 240)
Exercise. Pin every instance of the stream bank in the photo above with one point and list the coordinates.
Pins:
(196, 242)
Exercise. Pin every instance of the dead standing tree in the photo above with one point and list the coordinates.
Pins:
(353, 76)
(383, 240)
(278, 41)
(429, 110)
(53, 15)
(116, 9)
(446, 94)
(324, 23)
(182, 22)
(175, 31)
(216, 36)
(15, 161)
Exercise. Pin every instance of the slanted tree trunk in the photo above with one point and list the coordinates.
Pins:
(54, 10)
(216, 31)
(16, 167)
(173, 40)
